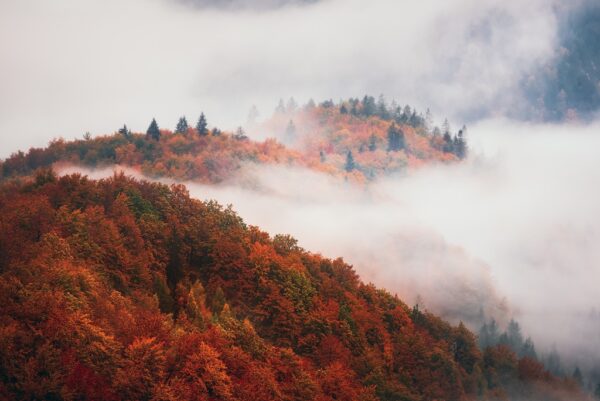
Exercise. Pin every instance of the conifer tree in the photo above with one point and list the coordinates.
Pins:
(350, 164)
(182, 125)
(395, 138)
(153, 131)
(125, 131)
(290, 132)
(201, 125)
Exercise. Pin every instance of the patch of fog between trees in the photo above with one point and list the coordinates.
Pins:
(511, 232)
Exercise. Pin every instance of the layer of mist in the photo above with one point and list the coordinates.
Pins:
(510, 233)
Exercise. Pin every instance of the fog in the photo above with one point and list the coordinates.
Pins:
(71, 66)
(512, 232)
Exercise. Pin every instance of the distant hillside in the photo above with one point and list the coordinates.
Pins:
(125, 290)
(568, 86)
(358, 139)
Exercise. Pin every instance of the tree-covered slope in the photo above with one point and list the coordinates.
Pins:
(357, 139)
(125, 290)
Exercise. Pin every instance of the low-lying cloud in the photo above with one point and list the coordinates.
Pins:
(511, 232)
(70, 66)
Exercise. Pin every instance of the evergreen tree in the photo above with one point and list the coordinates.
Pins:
(428, 120)
(343, 109)
(125, 131)
(253, 115)
(460, 145)
(153, 131)
(488, 335)
(322, 156)
(368, 106)
(182, 125)
(280, 109)
(354, 108)
(553, 363)
(290, 132)
(382, 109)
(215, 131)
(446, 127)
(395, 138)
(240, 134)
(528, 349)
(515, 338)
(201, 126)
(291, 105)
(404, 118)
(448, 143)
(350, 164)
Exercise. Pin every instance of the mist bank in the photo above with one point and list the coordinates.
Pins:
(510, 232)
(71, 67)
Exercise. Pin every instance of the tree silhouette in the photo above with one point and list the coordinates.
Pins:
(182, 126)
(201, 125)
(153, 132)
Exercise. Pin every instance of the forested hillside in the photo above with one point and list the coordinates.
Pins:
(125, 290)
(357, 139)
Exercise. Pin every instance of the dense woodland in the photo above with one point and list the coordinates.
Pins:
(356, 139)
(125, 290)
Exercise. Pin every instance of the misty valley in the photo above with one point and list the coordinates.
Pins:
(418, 222)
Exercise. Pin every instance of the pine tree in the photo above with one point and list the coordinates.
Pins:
(253, 115)
(448, 143)
(201, 125)
(343, 109)
(125, 131)
(182, 125)
(528, 349)
(428, 120)
(382, 109)
(515, 338)
(446, 127)
(460, 145)
(153, 131)
(350, 164)
(292, 105)
(280, 109)
(240, 134)
(368, 106)
(290, 132)
(395, 138)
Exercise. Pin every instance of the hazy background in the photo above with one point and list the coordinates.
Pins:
(71, 66)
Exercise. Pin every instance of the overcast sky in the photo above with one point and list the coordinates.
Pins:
(71, 66)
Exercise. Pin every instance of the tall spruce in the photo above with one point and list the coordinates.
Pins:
(350, 164)
(153, 132)
(395, 138)
(182, 125)
(201, 126)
